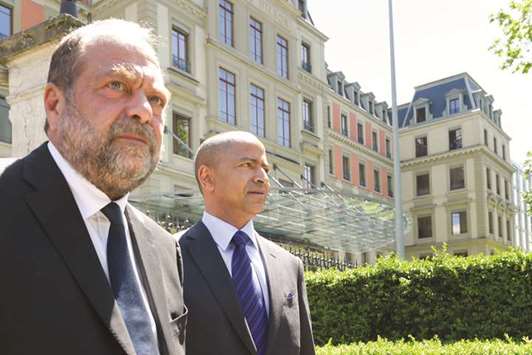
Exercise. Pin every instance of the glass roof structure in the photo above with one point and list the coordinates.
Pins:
(320, 217)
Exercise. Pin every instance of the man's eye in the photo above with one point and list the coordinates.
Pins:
(156, 100)
(117, 86)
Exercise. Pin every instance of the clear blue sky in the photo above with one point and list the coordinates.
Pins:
(433, 40)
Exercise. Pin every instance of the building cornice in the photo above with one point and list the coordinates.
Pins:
(47, 31)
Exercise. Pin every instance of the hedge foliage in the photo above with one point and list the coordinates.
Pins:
(430, 347)
(450, 297)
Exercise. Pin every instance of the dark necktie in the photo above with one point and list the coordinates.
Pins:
(125, 287)
(249, 294)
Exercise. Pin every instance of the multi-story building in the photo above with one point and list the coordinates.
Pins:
(259, 66)
(456, 170)
(522, 183)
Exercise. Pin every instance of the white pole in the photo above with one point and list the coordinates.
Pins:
(399, 236)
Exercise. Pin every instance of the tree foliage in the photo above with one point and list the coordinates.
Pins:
(515, 46)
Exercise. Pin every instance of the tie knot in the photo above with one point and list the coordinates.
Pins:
(113, 213)
(240, 239)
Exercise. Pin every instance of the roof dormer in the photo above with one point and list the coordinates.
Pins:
(352, 91)
(422, 111)
(368, 102)
(454, 102)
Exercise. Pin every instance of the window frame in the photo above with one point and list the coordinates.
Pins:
(283, 119)
(463, 186)
(282, 57)
(346, 168)
(362, 178)
(423, 193)
(418, 234)
(254, 106)
(230, 117)
(178, 62)
(256, 44)
(9, 9)
(344, 124)
(306, 57)
(306, 111)
(176, 147)
(459, 212)
(226, 21)
(418, 153)
(458, 142)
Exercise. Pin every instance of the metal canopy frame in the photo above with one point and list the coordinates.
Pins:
(318, 216)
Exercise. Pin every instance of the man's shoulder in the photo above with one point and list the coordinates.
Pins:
(11, 182)
(277, 250)
(157, 232)
(185, 237)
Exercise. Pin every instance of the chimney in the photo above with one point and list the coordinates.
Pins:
(69, 7)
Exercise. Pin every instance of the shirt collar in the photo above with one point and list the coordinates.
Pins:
(222, 232)
(89, 198)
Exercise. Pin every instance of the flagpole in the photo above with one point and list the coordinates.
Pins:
(399, 234)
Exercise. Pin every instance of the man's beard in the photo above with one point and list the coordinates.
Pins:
(111, 166)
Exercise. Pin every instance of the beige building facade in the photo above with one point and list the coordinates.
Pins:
(456, 170)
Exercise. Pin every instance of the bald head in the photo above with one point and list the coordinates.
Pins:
(213, 148)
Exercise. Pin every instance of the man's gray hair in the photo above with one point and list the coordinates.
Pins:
(65, 65)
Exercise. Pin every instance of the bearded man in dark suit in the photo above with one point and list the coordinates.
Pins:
(245, 294)
(82, 271)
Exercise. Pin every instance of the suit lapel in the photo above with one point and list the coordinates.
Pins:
(273, 270)
(148, 263)
(64, 226)
(205, 253)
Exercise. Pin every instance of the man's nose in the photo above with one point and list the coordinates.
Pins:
(262, 176)
(139, 107)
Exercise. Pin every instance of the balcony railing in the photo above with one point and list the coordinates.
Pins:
(181, 64)
(306, 66)
(308, 126)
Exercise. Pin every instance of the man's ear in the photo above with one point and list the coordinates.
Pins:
(206, 178)
(54, 104)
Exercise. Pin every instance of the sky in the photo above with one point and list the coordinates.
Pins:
(434, 39)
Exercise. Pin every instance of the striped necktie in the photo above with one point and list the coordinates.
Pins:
(249, 293)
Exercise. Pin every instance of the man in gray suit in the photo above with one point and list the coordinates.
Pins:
(245, 294)
(82, 271)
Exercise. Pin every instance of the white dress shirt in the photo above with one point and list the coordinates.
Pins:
(222, 233)
(90, 200)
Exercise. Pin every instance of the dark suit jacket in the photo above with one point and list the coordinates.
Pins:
(55, 297)
(216, 322)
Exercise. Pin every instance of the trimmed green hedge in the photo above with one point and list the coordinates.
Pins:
(450, 297)
(429, 347)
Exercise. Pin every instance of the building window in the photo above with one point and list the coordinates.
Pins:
(360, 133)
(508, 231)
(495, 146)
(362, 174)
(181, 127)
(282, 57)
(422, 184)
(424, 227)
(226, 22)
(374, 141)
(488, 178)
(344, 128)
(456, 176)
(180, 50)
(256, 106)
(490, 222)
(421, 146)
(377, 180)
(421, 114)
(371, 110)
(5, 21)
(331, 162)
(346, 168)
(390, 185)
(486, 137)
(459, 222)
(283, 122)
(255, 40)
(226, 93)
(356, 98)
(499, 225)
(506, 192)
(503, 152)
(308, 176)
(308, 123)
(329, 121)
(5, 123)
(454, 106)
(340, 88)
(305, 57)
(497, 184)
(388, 149)
(455, 138)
